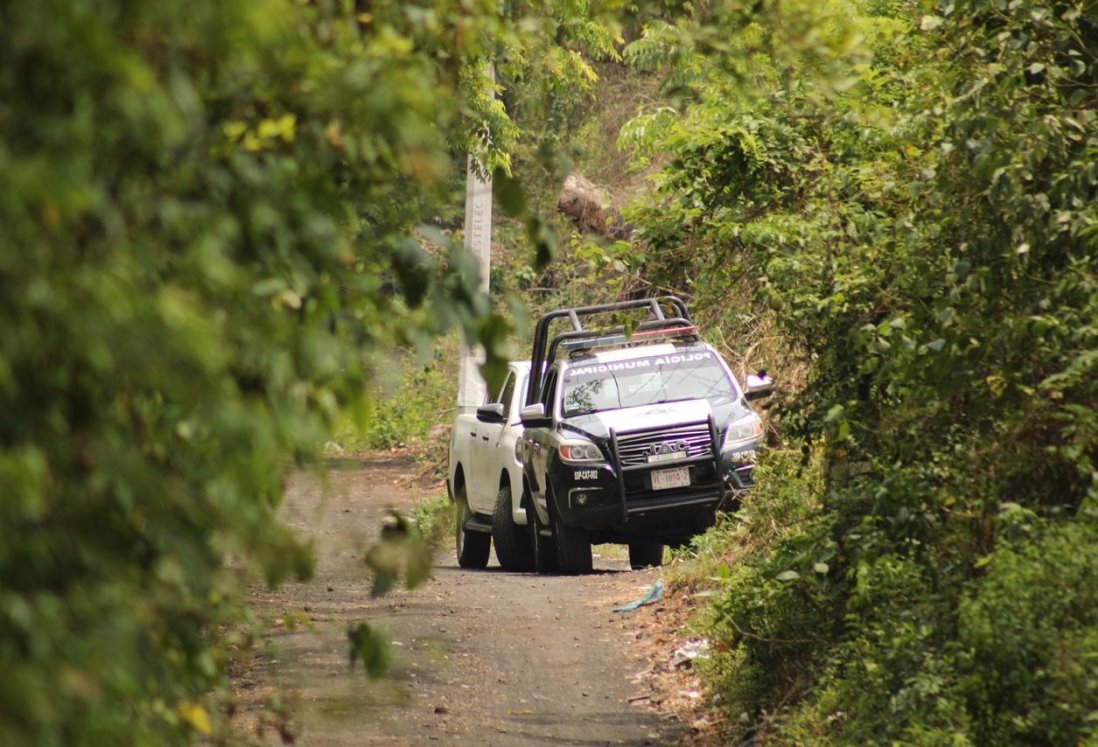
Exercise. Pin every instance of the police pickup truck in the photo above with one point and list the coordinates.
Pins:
(636, 433)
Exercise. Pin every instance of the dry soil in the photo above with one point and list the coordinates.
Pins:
(479, 657)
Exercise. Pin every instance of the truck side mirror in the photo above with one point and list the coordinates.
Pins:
(533, 416)
(759, 385)
(493, 413)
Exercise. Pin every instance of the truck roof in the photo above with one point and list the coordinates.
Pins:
(663, 316)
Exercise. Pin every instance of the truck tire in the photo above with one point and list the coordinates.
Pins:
(573, 549)
(645, 554)
(573, 544)
(473, 547)
(512, 543)
(542, 547)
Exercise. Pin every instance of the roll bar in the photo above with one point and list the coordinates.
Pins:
(545, 350)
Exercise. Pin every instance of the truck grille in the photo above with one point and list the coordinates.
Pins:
(635, 447)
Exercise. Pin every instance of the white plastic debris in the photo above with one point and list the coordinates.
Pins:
(685, 654)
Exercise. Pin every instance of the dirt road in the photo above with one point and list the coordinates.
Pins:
(480, 657)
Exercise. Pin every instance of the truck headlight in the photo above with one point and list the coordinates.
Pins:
(580, 451)
(743, 432)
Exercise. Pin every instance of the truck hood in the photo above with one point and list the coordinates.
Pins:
(597, 425)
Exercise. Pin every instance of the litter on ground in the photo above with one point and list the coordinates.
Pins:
(654, 595)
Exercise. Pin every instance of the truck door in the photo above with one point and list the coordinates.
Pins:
(483, 479)
(542, 440)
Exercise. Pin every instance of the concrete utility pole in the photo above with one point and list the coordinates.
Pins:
(478, 241)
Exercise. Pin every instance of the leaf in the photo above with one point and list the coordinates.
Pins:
(234, 130)
(821, 568)
(269, 286)
(419, 566)
(930, 22)
(997, 384)
(333, 133)
(291, 299)
(268, 128)
(371, 648)
(843, 432)
(508, 193)
(287, 127)
(544, 240)
(385, 560)
(412, 266)
(195, 715)
(494, 371)
(788, 576)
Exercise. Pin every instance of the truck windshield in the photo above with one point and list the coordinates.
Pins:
(597, 386)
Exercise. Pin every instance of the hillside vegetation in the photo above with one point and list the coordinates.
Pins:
(897, 201)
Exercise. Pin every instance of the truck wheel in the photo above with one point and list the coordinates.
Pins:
(473, 547)
(512, 544)
(573, 543)
(573, 549)
(543, 548)
(645, 554)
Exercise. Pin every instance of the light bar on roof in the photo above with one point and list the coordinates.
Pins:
(622, 339)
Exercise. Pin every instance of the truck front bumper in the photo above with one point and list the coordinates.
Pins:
(591, 497)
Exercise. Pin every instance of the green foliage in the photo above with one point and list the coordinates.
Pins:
(404, 551)
(915, 220)
(209, 215)
(434, 518)
(770, 573)
(403, 412)
(550, 88)
(1032, 630)
(399, 553)
(371, 648)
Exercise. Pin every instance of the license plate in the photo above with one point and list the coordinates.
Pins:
(671, 478)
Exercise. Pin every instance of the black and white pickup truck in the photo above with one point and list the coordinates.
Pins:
(634, 433)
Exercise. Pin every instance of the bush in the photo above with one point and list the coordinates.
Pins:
(918, 230)
(1031, 626)
(403, 414)
(771, 609)
(434, 518)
